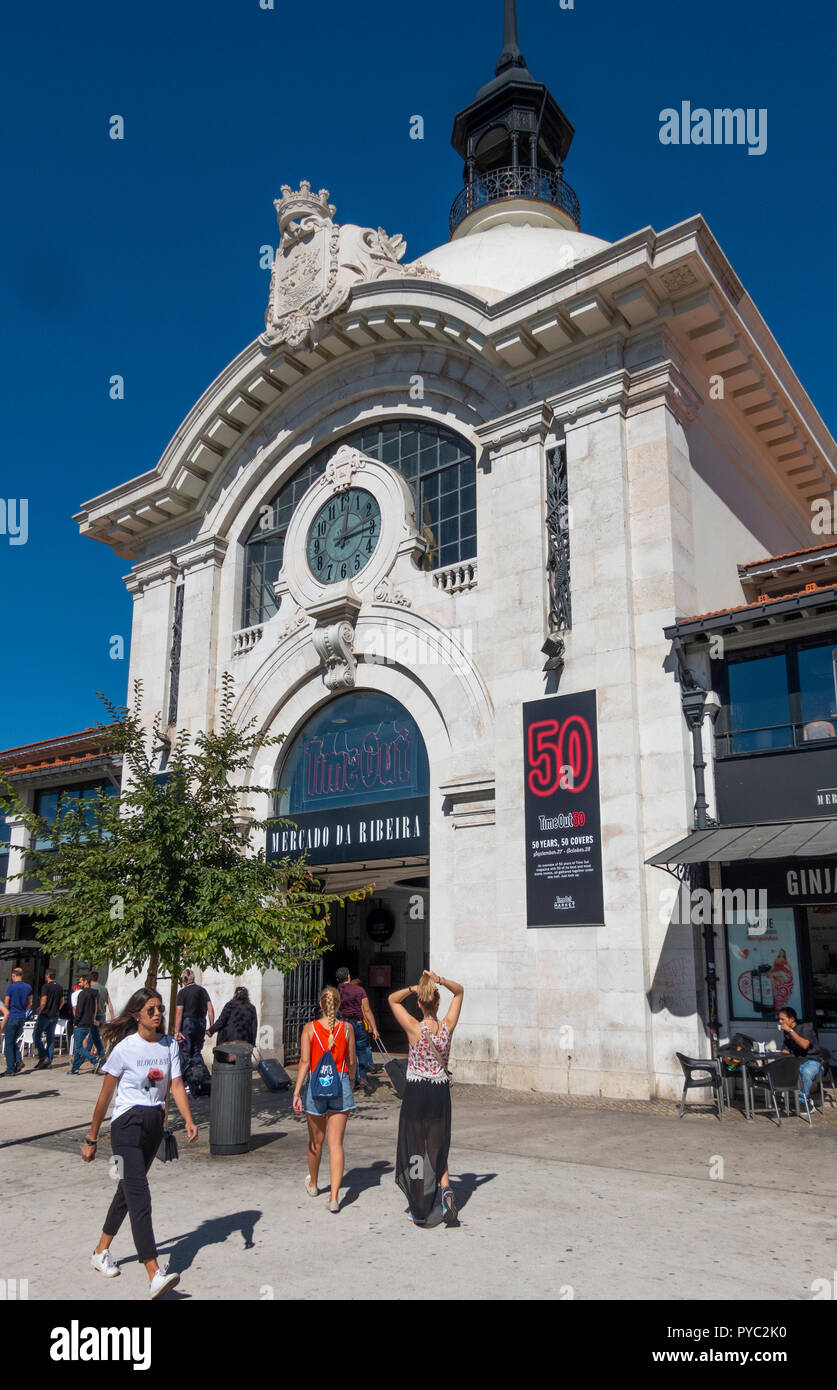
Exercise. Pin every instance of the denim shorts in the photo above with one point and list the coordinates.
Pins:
(325, 1105)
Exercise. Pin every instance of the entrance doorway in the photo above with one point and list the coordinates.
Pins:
(383, 940)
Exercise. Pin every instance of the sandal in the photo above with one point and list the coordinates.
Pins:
(312, 1191)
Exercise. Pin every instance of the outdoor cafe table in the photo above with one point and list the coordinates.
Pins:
(747, 1060)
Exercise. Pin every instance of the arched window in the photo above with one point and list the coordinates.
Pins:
(439, 467)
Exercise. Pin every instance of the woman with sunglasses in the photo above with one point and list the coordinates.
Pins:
(141, 1060)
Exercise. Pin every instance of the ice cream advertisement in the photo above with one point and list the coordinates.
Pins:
(763, 965)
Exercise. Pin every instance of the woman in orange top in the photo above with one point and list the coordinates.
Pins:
(326, 1114)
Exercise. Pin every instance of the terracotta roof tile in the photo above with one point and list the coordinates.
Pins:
(56, 762)
(789, 555)
(757, 603)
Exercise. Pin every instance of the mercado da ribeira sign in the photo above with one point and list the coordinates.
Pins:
(356, 786)
(563, 818)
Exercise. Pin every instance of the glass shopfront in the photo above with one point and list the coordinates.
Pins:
(788, 955)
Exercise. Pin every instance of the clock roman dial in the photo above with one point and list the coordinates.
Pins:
(343, 536)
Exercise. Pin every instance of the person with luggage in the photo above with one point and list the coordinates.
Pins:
(421, 1164)
(328, 1059)
(141, 1061)
(17, 1002)
(355, 1009)
(52, 997)
(194, 1010)
(237, 1021)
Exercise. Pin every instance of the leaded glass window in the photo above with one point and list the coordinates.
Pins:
(437, 464)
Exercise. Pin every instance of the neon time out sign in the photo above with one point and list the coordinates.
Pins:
(375, 763)
(562, 815)
(559, 755)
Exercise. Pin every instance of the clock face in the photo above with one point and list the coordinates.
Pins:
(343, 536)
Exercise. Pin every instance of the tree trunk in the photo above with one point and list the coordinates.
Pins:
(153, 967)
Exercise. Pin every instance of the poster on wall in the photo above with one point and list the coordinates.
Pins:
(563, 819)
(763, 965)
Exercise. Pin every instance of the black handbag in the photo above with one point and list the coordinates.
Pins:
(167, 1152)
(396, 1070)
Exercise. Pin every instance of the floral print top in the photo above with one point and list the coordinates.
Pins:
(422, 1062)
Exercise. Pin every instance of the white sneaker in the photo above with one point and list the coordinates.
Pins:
(162, 1282)
(104, 1264)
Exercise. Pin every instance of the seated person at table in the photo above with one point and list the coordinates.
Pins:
(800, 1039)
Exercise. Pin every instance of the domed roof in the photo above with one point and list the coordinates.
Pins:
(506, 258)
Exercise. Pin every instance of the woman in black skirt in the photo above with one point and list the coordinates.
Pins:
(421, 1164)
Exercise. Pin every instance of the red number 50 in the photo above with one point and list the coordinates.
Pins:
(553, 751)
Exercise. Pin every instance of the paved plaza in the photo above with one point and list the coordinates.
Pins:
(559, 1198)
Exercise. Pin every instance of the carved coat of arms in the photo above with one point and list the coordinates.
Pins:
(317, 263)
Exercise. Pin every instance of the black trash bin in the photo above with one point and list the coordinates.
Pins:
(231, 1103)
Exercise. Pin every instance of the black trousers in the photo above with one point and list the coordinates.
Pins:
(135, 1138)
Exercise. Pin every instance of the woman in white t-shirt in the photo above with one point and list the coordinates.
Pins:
(141, 1060)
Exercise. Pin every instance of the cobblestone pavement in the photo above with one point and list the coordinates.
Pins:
(560, 1197)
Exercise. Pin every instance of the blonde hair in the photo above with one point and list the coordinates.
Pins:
(428, 995)
(329, 1004)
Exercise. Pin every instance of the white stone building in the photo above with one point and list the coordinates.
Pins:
(522, 386)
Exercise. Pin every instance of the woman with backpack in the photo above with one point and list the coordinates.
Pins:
(141, 1061)
(327, 1051)
(421, 1163)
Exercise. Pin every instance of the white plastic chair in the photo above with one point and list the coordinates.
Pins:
(61, 1030)
(27, 1037)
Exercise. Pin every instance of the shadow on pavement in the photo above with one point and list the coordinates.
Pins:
(358, 1180)
(29, 1095)
(181, 1250)
(466, 1185)
(47, 1134)
(258, 1141)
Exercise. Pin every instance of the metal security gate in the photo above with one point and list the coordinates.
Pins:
(303, 987)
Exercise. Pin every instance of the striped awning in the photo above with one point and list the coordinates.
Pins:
(23, 902)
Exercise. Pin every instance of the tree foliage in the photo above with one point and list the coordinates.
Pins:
(166, 871)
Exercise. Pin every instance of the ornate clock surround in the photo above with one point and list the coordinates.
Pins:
(349, 468)
(334, 607)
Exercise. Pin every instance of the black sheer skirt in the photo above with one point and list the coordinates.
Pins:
(423, 1143)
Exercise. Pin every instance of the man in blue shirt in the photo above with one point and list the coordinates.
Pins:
(17, 1002)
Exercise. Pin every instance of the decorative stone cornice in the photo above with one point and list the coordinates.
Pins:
(679, 277)
(207, 550)
(629, 393)
(508, 433)
(162, 569)
(469, 800)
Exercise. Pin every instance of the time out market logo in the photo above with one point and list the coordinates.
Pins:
(82, 1343)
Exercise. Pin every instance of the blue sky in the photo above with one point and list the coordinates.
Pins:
(141, 257)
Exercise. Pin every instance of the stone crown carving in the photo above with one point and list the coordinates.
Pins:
(318, 262)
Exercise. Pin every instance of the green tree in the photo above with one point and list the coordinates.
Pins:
(165, 873)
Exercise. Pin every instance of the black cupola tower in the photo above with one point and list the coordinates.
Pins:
(514, 138)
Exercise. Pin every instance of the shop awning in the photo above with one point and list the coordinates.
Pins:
(808, 839)
(22, 902)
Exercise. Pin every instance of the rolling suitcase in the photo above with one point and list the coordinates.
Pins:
(273, 1074)
(396, 1070)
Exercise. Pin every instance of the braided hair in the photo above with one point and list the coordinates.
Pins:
(329, 1004)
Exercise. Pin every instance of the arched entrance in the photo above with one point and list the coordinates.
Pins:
(354, 781)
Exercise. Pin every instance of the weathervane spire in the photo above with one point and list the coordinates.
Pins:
(511, 55)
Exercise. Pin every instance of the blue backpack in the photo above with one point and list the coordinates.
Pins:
(326, 1080)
